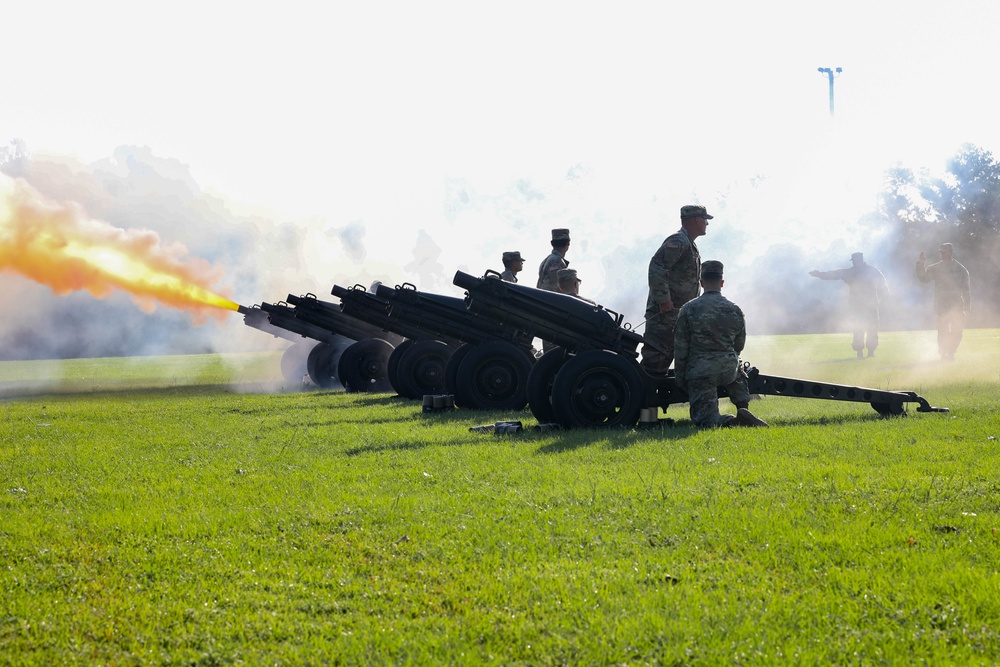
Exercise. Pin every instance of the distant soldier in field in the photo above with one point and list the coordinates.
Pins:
(548, 270)
(867, 287)
(710, 334)
(952, 298)
(512, 265)
(673, 281)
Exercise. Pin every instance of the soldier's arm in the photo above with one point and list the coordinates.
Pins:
(660, 267)
(741, 337)
(923, 275)
(966, 290)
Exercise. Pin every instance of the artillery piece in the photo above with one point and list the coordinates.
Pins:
(333, 333)
(485, 364)
(593, 379)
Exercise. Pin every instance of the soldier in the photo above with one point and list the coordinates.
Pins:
(866, 287)
(548, 269)
(513, 263)
(952, 298)
(569, 283)
(711, 333)
(673, 281)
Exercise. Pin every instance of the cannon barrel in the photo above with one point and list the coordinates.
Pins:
(562, 319)
(446, 316)
(360, 303)
(329, 316)
(278, 319)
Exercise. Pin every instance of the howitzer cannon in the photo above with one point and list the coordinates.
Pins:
(483, 363)
(593, 378)
(489, 368)
(308, 340)
(359, 365)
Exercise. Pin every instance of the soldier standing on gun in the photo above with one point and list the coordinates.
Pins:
(548, 270)
(866, 286)
(711, 332)
(673, 281)
(512, 265)
(952, 298)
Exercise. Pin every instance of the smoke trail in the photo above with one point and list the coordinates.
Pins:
(59, 246)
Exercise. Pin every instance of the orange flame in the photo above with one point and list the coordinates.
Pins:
(59, 246)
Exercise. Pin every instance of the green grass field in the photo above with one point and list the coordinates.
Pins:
(195, 511)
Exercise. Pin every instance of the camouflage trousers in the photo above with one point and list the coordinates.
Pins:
(660, 331)
(703, 396)
(864, 324)
(950, 326)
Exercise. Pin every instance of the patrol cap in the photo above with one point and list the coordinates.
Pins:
(512, 256)
(946, 247)
(692, 211)
(566, 275)
(560, 235)
(711, 269)
(857, 257)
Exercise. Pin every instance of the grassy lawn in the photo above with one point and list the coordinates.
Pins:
(193, 510)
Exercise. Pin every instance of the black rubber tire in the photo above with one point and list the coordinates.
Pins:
(598, 389)
(393, 367)
(451, 371)
(540, 380)
(364, 366)
(294, 360)
(422, 369)
(494, 376)
(323, 362)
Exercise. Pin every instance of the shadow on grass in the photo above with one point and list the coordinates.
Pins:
(133, 391)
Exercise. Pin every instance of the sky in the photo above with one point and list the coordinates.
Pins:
(346, 142)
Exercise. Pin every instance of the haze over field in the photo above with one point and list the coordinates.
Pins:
(342, 144)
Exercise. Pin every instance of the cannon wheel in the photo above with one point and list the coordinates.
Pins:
(322, 362)
(364, 366)
(451, 370)
(294, 360)
(889, 409)
(421, 369)
(494, 376)
(598, 388)
(540, 380)
(393, 367)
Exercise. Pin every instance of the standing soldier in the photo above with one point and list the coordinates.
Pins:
(952, 298)
(512, 265)
(711, 333)
(548, 270)
(673, 281)
(866, 287)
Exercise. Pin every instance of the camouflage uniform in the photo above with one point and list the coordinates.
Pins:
(711, 333)
(952, 300)
(674, 271)
(548, 272)
(865, 285)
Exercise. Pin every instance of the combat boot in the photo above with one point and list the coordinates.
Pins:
(746, 418)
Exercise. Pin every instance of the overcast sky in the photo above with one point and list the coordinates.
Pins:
(463, 129)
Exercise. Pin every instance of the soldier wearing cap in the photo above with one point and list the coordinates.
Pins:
(866, 288)
(569, 283)
(710, 335)
(673, 281)
(548, 270)
(513, 263)
(952, 298)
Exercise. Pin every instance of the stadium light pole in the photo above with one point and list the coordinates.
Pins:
(831, 74)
